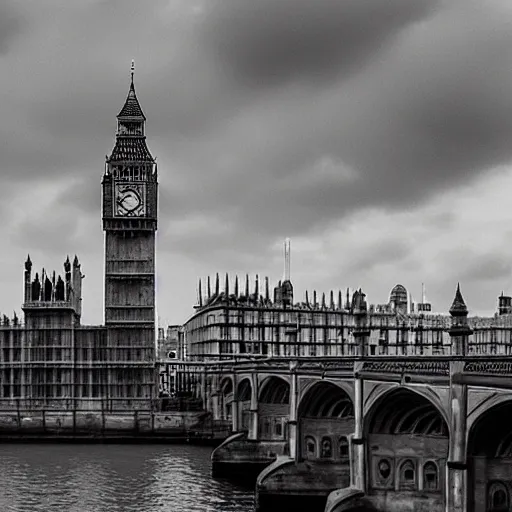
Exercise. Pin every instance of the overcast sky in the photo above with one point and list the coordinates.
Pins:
(376, 135)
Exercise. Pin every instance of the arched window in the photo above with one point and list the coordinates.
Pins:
(407, 479)
(326, 448)
(343, 447)
(497, 497)
(430, 477)
(310, 443)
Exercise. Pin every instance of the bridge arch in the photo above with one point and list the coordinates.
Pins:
(243, 396)
(226, 397)
(274, 408)
(381, 391)
(343, 385)
(244, 390)
(325, 419)
(489, 458)
(408, 442)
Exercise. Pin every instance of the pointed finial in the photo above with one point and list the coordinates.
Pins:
(226, 285)
(209, 289)
(267, 291)
(458, 307)
(28, 264)
(247, 285)
(217, 286)
(132, 70)
(200, 292)
(236, 287)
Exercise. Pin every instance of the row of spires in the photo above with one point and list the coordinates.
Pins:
(283, 292)
(458, 306)
(49, 289)
(6, 321)
(205, 299)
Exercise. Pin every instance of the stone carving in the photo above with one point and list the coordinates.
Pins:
(419, 367)
(337, 365)
(499, 367)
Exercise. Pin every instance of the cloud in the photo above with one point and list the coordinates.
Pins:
(339, 124)
(11, 24)
(272, 42)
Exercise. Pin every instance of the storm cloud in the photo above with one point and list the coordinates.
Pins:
(315, 120)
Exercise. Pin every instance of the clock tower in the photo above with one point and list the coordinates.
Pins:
(130, 221)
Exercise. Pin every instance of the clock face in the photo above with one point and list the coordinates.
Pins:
(129, 200)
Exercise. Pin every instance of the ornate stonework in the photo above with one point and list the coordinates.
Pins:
(421, 367)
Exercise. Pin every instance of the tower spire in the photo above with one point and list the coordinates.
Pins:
(132, 71)
(287, 259)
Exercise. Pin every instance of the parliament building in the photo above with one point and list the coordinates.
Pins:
(231, 322)
(49, 359)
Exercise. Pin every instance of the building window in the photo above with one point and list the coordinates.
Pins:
(430, 477)
(497, 497)
(407, 476)
(310, 447)
(326, 452)
(278, 428)
(343, 448)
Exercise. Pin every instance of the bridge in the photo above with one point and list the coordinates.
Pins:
(416, 430)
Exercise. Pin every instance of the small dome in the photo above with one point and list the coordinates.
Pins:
(398, 294)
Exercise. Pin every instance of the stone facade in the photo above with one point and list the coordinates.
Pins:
(49, 360)
(389, 433)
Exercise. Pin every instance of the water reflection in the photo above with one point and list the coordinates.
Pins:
(101, 478)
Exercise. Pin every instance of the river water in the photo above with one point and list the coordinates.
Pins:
(110, 478)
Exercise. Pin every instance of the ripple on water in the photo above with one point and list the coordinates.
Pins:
(117, 478)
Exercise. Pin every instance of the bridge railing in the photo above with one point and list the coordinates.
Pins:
(401, 350)
(489, 349)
